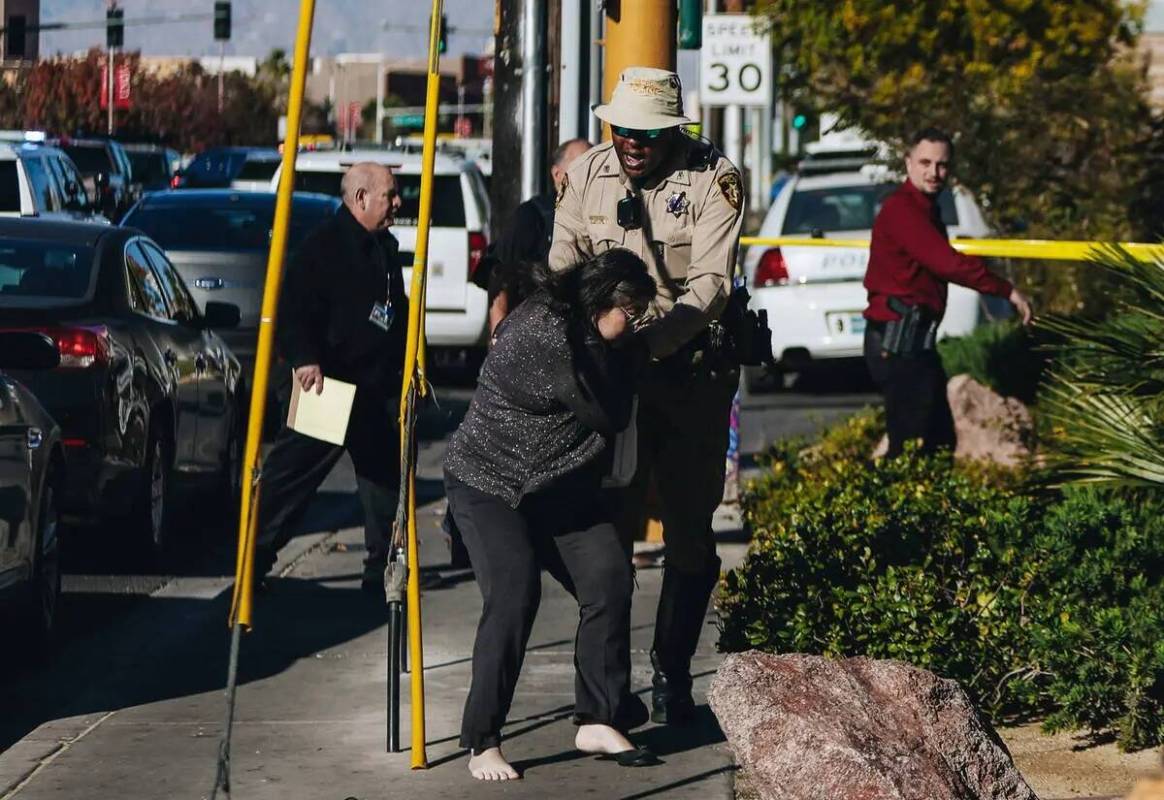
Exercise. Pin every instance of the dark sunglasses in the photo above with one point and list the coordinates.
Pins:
(639, 135)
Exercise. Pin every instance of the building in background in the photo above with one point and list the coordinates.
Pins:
(19, 43)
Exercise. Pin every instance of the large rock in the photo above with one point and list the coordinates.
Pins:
(857, 729)
(989, 426)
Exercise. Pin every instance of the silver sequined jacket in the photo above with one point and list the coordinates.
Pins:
(543, 409)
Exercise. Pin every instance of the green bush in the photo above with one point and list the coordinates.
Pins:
(1001, 355)
(1044, 604)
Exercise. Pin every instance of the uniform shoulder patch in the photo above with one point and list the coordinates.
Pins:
(561, 190)
(729, 186)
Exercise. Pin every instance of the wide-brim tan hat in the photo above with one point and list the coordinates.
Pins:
(644, 99)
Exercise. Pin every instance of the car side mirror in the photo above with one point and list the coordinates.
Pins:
(28, 350)
(221, 316)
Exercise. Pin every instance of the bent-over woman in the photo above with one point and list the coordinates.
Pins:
(523, 476)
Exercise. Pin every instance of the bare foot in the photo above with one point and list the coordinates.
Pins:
(490, 765)
(601, 739)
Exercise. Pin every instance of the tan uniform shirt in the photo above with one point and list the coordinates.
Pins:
(689, 239)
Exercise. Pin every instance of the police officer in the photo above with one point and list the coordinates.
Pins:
(911, 264)
(677, 203)
(343, 315)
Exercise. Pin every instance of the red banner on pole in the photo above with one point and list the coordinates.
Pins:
(122, 86)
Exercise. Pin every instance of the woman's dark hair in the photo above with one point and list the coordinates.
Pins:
(615, 278)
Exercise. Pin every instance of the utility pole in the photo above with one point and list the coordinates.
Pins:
(114, 39)
(508, 135)
(222, 36)
(533, 96)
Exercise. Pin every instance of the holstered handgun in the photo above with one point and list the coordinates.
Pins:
(914, 333)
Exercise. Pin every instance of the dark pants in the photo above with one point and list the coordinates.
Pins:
(916, 404)
(682, 443)
(568, 533)
(298, 464)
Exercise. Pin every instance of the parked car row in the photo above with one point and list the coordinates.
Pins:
(126, 350)
(141, 404)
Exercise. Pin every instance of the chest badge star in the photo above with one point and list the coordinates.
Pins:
(677, 204)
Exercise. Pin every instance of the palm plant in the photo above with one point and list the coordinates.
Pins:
(1104, 394)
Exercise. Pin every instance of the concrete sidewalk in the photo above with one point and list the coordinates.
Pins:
(311, 705)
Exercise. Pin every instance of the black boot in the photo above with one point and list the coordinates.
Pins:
(682, 609)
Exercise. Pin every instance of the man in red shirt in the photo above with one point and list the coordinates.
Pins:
(911, 263)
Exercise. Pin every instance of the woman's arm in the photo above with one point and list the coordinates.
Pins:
(598, 383)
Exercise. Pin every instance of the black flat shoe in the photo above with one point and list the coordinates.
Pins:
(636, 757)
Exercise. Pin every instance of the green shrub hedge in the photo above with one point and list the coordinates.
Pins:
(1038, 604)
(1001, 355)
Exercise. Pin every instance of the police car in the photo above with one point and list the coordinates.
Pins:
(814, 295)
(457, 310)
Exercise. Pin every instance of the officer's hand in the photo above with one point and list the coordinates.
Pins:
(308, 376)
(1022, 305)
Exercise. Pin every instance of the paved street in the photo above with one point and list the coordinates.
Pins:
(131, 703)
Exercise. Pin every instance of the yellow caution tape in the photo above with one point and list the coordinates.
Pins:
(1041, 249)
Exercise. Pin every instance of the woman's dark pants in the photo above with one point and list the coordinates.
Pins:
(568, 533)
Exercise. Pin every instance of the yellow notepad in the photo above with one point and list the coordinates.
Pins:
(324, 415)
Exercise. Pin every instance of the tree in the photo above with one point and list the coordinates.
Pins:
(1045, 99)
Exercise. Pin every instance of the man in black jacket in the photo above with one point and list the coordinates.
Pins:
(345, 268)
(504, 272)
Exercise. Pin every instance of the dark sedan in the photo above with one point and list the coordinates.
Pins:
(219, 240)
(147, 395)
(31, 469)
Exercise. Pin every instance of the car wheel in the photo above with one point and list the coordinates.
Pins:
(153, 512)
(44, 591)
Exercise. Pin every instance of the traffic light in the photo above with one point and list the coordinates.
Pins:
(221, 20)
(690, 24)
(442, 35)
(799, 121)
(114, 27)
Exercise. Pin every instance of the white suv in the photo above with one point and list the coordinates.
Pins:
(814, 296)
(39, 181)
(457, 310)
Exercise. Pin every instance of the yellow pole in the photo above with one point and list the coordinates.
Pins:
(240, 609)
(638, 34)
(414, 381)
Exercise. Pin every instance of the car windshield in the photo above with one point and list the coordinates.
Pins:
(9, 187)
(448, 206)
(150, 168)
(229, 229)
(35, 271)
(90, 159)
(847, 208)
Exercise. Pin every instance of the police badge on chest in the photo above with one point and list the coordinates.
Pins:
(677, 204)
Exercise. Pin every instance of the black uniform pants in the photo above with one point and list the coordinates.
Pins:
(298, 464)
(682, 430)
(916, 404)
(568, 533)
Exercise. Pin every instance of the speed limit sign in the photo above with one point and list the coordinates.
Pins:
(735, 62)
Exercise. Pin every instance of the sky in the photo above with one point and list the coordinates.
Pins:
(259, 26)
(262, 25)
(1154, 21)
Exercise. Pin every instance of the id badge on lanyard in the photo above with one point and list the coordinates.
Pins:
(382, 315)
